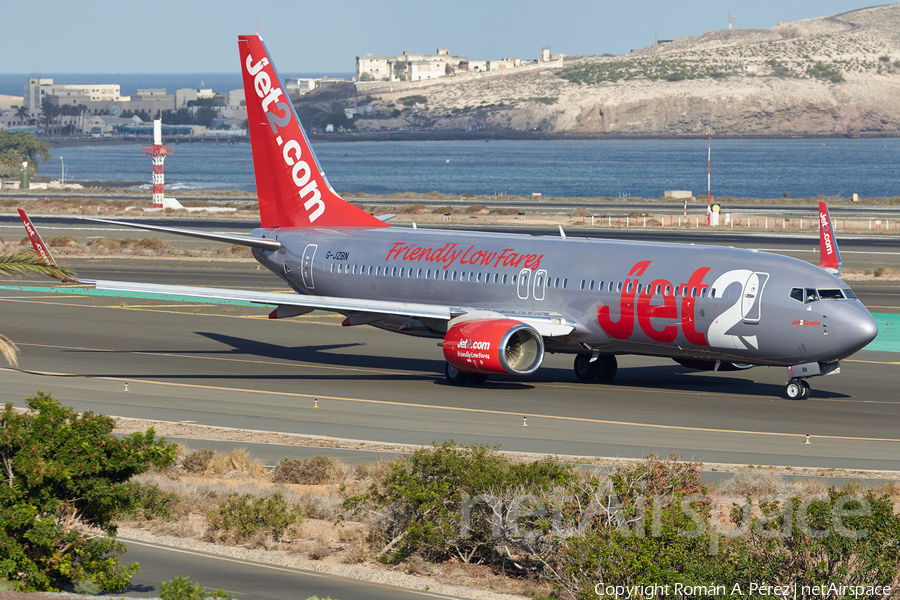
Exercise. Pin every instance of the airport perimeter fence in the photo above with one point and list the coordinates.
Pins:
(751, 223)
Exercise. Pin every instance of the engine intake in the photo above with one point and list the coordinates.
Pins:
(494, 347)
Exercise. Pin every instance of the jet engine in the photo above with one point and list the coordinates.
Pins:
(711, 365)
(494, 347)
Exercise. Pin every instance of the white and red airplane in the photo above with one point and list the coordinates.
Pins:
(498, 302)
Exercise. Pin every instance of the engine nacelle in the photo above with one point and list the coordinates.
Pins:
(710, 365)
(494, 347)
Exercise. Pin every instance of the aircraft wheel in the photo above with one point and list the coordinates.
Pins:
(480, 378)
(454, 376)
(805, 393)
(585, 370)
(795, 389)
(608, 367)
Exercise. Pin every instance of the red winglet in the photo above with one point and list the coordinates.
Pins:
(292, 189)
(829, 255)
(39, 247)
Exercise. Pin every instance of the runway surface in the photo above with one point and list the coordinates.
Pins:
(228, 365)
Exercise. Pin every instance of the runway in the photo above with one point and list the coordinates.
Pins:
(228, 365)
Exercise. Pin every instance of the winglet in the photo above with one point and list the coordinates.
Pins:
(829, 255)
(40, 248)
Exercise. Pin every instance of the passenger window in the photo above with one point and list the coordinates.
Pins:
(668, 289)
(470, 275)
(556, 284)
(658, 288)
(582, 284)
(600, 287)
(445, 275)
(496, 277)
(630, 286)
(693, 292)
(565, 282)
(453, 276)
(393, 271)
(418, 273)
(703, 292)
(504, 278)
(478, 278)
(591, 287)
(619, 286)
(514, 277)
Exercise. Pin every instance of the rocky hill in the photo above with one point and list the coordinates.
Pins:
(835, 75)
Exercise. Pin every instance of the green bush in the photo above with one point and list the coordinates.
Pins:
(149, 502)
(182, 588)
(67, 471)
(240, 517)
(423, 498)
(313, 471)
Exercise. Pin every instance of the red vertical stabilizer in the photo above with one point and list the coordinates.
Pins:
(829, 255)
(292, 189)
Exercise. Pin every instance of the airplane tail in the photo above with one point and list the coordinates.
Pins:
(829, 255)
(292, 189)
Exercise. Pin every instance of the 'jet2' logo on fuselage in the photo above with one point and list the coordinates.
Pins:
(279, 118)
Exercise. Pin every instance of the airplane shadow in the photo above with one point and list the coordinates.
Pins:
(670, 377)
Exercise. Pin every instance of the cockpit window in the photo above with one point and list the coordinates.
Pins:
(849, 293)
(831, 294)
(806, 295)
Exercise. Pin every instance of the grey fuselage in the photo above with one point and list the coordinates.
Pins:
(703, 303)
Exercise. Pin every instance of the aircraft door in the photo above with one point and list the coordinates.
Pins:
(540, 284)
(752, 296)
(306, 268)
(522, 283)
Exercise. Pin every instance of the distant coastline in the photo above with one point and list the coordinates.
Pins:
(437, 136)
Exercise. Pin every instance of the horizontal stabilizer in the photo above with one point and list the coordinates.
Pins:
(227, 238)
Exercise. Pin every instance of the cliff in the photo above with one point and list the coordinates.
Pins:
(835, 75)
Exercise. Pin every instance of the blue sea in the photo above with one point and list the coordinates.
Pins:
(612, 168)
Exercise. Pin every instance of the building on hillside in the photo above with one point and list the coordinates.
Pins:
(38, 89)
(236, 98)
(185, 95)
(406, 66)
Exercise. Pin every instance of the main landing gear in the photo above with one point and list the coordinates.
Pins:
(603, 368)
(457, 377)
(797, 389)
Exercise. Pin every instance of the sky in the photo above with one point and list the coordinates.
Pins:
(199, 36)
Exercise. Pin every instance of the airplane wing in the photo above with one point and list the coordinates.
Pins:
(362, 311)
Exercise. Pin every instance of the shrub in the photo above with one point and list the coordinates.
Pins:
(65, 473)
(313, 471)
(422, 498)
(878, 272)
(61, 241)
(476, 208)
(153, 244)
(241, 517)
(150, 501)
(182, 588)
(198, 460)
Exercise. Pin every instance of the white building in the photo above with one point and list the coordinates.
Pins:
(38, 89)
(185, 95)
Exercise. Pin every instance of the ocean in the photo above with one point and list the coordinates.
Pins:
(588, 168)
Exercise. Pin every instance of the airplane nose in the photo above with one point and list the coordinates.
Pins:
(856, 329)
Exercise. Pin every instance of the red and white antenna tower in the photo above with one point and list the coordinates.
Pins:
(158, 152)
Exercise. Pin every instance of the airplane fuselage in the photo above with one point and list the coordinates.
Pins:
(688, 302)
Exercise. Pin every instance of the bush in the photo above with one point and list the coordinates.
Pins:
(313, 471)
(878, 272)
(153, 244)
(476, 208)
(149, 501)
(241, 517)
(198, 460)
(61, 241)
(182, 588)
(66, 473)
(423, 497)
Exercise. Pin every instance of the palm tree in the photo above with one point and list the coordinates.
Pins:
(25, 263)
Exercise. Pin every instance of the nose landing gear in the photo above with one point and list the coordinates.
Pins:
(797, 389)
